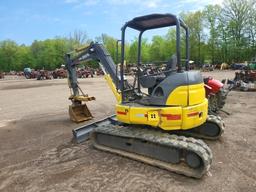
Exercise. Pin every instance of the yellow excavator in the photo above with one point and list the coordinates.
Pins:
(159, 116)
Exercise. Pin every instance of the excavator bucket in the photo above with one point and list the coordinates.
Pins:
(79, 113)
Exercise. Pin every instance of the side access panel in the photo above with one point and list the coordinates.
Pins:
(167, 118)
(196, 94)
(195, 115)
(123, 113)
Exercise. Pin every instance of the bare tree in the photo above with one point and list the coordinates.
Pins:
(78, 37)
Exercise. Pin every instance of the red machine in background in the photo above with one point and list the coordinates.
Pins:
(212, 85)
(216, 94)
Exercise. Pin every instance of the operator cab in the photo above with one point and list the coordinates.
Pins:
(160, 84)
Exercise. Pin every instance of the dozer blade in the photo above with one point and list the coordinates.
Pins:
(79, 113)
(82, 133)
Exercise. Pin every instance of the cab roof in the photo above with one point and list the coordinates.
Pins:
(153, 21)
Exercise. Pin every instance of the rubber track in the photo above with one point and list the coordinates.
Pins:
(210, 119)
(157, 137)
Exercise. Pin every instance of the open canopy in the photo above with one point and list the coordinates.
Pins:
(153, 21)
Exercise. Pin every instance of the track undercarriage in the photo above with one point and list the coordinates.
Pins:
(168, 150)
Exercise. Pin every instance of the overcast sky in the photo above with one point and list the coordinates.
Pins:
(26, 20)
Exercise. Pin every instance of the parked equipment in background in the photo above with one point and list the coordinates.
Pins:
(43, 75)
(224, 66)
(237, 66)
(145, 122)
(84, 73)
(27, 73)
(216, 94)
(59, 73)
(1, 75)
(252, 65)
(245, 76)
(245, 80)
(30, 73)
(207, 67)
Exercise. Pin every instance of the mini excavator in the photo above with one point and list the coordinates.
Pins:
(160, 127)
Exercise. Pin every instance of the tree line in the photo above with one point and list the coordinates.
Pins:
(217, 34)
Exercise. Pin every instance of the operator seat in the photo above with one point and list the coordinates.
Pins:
(160, 86)
(151, 80)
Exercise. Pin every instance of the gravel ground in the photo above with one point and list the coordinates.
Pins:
(37, 153)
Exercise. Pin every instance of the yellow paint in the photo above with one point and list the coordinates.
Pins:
(113, 88)
(142, 115)
(196, 94)
(179, 96)
(139, 115)
(123, 109)
(153, 116)
(186, 108)
(194, 121)
(187, 95)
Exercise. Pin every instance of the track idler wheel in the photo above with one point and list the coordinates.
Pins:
(210, 129)
(193, 160)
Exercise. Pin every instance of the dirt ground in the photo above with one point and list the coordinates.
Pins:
(37, 153)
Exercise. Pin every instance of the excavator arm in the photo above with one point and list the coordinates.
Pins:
(96, 52)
